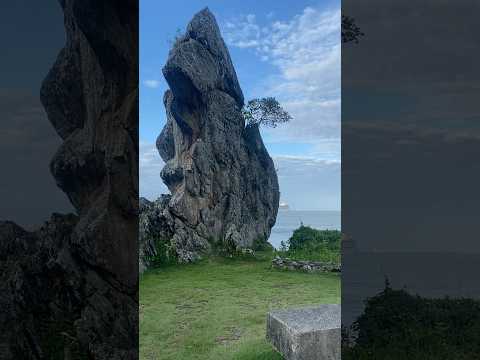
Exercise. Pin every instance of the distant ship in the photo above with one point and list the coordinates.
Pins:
(283, 206)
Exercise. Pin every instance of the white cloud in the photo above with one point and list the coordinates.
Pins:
(308, 171)
(250, 18)
(288, 165)
(150, 164)
(306, 52)
(153, 84)
(307, 183)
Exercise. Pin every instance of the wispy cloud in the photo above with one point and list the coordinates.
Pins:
(153, 84)
(306, 52)
(299, 178)
(292, 171)
(302, 165)
(150, 165)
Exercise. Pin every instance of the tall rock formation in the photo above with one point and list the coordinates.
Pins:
(223, 183)
(70, 289)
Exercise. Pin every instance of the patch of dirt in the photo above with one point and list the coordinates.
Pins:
(233, 334)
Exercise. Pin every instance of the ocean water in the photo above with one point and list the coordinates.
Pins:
(289, 220)
(431, 275)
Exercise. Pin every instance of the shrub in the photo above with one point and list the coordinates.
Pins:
(262, 244)
(164, 254)
(307, 243)
(306, 237)
(398, 325)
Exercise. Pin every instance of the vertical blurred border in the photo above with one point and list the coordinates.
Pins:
(69, 285)
(410, 174)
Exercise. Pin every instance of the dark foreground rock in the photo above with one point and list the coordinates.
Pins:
(70, 289)
(223, 183)
(306, 334)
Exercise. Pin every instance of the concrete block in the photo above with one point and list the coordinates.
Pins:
(306, 334)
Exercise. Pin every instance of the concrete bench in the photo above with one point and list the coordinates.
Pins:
(306, 334)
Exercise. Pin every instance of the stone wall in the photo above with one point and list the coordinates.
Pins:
(305, 265)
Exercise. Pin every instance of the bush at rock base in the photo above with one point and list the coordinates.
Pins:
(307, 243)
(164, 255)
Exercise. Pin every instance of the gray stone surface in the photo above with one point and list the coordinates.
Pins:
(305, 265)
(306, 334)
(223, 183)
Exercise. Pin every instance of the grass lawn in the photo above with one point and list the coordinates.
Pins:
(216, 309)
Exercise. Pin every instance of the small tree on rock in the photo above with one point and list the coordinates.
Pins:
(266, 111)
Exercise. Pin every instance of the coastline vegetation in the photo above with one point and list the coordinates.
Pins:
(308, 243)
(398, 325)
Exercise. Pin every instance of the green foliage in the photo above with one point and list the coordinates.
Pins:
(266, 111)
(164, 254)
(398, 325)
(262, 244)
(306, 237)
(229, 249)
(307, 243)
(321, 254)
(350, 31)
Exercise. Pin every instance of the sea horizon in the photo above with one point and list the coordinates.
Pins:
(289, 220)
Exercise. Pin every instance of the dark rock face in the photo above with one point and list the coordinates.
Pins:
(70, 289)
(153, 226)
(223, 182)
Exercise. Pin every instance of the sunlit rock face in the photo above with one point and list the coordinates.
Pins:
(223, 183)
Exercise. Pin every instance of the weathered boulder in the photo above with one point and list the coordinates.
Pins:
(70, 289)
(223, 183)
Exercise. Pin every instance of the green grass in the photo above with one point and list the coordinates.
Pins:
(216, 309)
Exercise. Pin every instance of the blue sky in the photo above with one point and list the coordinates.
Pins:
(286, 49)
